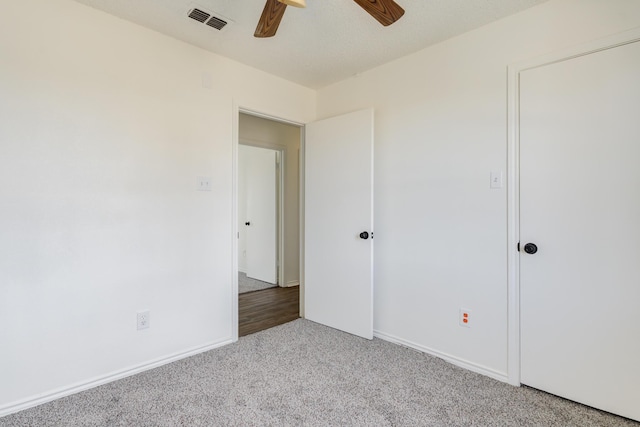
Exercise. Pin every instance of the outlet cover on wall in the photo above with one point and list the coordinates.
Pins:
(465, 318)
(203, 183)
(144, 319)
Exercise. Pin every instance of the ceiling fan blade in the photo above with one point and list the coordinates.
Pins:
(385, 11)
(270, 19)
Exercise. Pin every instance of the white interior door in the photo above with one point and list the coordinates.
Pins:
(580, 204)
(338, 208)
(257, 194)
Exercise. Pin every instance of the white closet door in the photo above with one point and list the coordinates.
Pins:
(580, 204)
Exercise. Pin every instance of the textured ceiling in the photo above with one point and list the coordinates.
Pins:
(328, 41)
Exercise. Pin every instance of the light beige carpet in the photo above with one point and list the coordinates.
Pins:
(247, 284)
(304, 374)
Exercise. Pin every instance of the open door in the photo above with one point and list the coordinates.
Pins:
(258, 180)
(338, 252)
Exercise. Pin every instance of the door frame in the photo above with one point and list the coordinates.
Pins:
(237, 109)
(513, 179)
(282, 151)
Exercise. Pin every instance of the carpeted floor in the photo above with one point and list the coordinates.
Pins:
(302, 373)
(247, 284)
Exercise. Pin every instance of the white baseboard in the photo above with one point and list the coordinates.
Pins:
(292, 283)
(98, 381)
(474, 367)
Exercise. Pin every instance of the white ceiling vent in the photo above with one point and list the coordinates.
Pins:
(199, 15)
(217, 23)
(208, 18)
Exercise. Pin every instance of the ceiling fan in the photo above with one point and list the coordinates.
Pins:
(384, 11)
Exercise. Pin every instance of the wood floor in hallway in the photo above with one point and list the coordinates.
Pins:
(259, 310)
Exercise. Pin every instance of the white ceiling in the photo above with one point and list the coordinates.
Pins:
(328, 41)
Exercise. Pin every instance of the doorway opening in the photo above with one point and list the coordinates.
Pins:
(268, 217)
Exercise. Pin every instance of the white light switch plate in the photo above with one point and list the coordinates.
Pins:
(207, 80)
(496, 179)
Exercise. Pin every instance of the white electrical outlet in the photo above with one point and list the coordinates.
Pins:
(144, 319)
(465, 318)
(203, 183)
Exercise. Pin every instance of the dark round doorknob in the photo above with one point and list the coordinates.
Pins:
(364, 235)
(247, 223)
(530, 248)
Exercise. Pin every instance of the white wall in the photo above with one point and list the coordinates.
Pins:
(104, 127)
(268, 133)
(440, 129)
